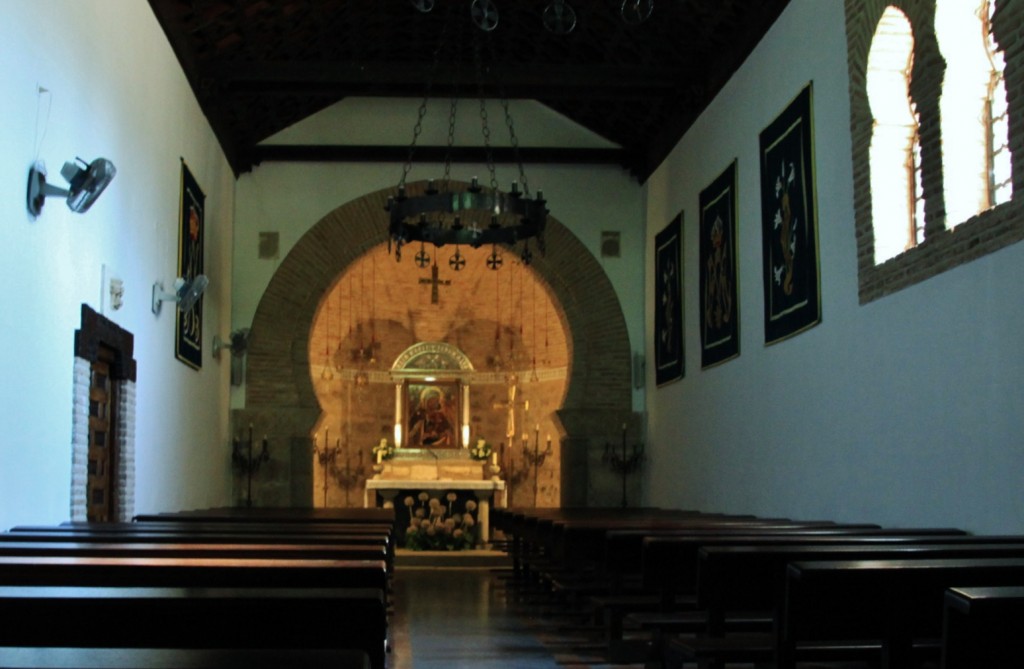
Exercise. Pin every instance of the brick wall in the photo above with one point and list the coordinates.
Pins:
(943, 249)
(338, 288)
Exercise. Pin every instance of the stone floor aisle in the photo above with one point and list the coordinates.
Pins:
(457, 617)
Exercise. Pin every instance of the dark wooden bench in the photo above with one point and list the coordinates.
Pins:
(983, 627)
(831, 608)
(181, 658)
(203, 618)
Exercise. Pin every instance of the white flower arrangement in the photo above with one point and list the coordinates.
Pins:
(433, 525)
(481, 451)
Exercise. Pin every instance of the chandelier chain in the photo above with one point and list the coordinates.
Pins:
(514, 141)
(485, 129)
(422, 111)
(453, 109)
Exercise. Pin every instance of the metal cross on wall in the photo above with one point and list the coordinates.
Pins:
(434, 282)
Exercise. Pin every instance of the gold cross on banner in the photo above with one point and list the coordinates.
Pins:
(434, 283)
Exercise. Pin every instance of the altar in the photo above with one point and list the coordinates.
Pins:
(484, 492)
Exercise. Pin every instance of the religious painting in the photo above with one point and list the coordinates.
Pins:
(668, 303)
(789, 225)
(188, 338)
(432, 411)
(719, 305)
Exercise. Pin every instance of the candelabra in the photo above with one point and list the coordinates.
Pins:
(536, 457)
(326, 456)
(243, 459)
(348, 477)
(626, 462)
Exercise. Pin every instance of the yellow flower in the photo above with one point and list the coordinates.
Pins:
(408, 500)
(470, 506)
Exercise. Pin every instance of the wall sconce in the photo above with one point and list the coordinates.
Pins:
(86, 181)
(186, 293)
(239, 342)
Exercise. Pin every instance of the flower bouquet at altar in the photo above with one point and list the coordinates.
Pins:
(481, 451)
(435, 526)
(384, 450)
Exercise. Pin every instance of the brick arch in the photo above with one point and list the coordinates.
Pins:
(280, 399)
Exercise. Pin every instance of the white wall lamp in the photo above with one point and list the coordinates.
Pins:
(185, 295)
(86, 182)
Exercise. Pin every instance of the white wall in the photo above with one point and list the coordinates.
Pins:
(290, 197)
(906, 411)
(115, 90)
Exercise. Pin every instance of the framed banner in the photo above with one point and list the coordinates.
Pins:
(669, 363)
(188, 338)
(789, 223)
(719, 304)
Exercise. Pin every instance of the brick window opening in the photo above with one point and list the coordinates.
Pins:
(897, 203)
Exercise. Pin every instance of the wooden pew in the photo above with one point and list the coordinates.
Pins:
(192, 572)
(254, 535)
(199, 550)
(182, 658)
(351, 515)
(205, 618)
(830, 608)
(982, 628)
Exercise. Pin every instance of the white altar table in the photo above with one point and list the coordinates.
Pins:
(483, 490)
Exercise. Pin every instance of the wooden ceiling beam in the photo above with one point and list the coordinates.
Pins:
(411, 79)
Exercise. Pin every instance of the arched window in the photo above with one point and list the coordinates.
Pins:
(897, 204)
(975, 157)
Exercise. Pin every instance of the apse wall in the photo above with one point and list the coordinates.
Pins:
(904, 411)
(115, 89)
(289, 198)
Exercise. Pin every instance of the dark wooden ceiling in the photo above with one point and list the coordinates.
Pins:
(259, 66)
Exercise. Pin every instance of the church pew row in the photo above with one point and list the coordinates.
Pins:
(198, 556)
(663, 600)
(741, 589)
(182, 658)
(893, 538)
(570, 558)
(195, 618)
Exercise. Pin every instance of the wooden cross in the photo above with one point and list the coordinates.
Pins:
(434, 283)
(510, 406)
